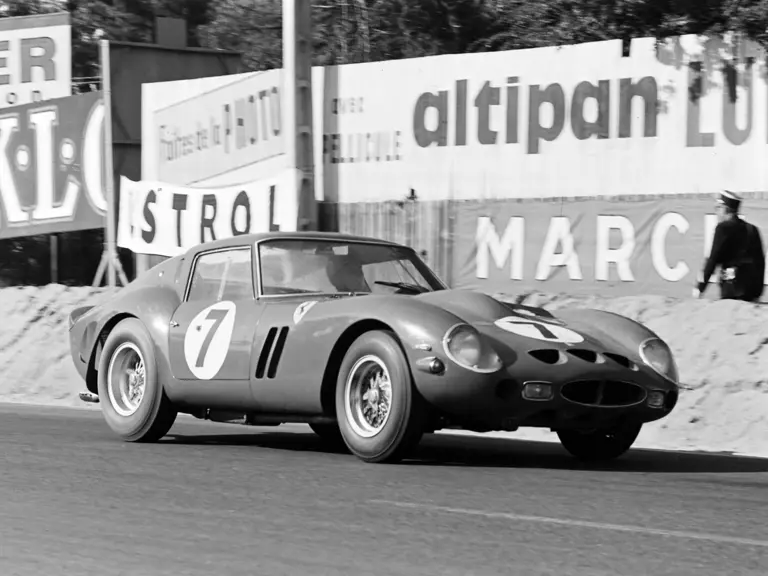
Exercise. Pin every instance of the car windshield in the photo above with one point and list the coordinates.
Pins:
(295, 266)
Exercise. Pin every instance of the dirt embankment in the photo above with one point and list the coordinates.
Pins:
(721, 349)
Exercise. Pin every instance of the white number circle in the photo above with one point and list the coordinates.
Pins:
(531, 328)
(207, 340)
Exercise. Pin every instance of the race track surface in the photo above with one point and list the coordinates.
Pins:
(221, 499)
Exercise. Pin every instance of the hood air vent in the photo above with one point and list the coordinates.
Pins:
(587, 356)
(549, 356)
(619, 359)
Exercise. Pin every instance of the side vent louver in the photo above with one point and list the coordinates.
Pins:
(274, 344)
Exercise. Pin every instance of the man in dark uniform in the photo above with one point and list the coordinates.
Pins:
(737, 249)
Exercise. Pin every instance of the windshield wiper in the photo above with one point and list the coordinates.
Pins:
(415, 288)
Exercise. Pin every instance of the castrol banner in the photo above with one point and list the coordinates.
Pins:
(166, 219)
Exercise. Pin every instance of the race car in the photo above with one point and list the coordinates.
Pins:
(360, 339)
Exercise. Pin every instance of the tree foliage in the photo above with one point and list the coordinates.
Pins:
(350, 31)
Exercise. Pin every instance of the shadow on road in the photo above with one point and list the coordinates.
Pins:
(468, 451)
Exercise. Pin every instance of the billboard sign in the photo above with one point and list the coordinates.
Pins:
(52, 166)
(35, 58)
(595, 246)
(224, 129)
(167, 219)
(688, 117)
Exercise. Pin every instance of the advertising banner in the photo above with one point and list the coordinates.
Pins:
(590, 246)
(218, 131)
(689, 117)
(167, 219)
(52, 166)
(35, 58)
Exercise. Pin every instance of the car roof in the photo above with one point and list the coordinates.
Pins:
(250, 239)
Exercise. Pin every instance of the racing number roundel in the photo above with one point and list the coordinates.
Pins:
(207, 340)
(531, 328)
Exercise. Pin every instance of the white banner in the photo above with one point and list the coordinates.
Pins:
(166, 220)
(215, 132)
(585, 120)
(35, 58)
(569, 121)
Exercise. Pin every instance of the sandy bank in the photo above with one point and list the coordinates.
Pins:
(721, 348)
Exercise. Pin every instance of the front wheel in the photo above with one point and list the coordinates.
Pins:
(133, 401)
(380, 414)
(597, 445)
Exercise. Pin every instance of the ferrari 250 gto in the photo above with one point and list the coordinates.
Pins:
(358, 338)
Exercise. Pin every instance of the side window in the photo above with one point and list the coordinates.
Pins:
(222, 275)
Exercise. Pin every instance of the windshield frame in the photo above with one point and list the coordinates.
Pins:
(432, 279)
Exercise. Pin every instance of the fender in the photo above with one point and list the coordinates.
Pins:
(151, 303)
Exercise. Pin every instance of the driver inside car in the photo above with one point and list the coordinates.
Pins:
(346, 274)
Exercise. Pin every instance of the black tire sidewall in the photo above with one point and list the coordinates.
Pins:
(596, 446)
(390, 438)
(135, 426)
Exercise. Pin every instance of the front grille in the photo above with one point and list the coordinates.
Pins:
(609, 393)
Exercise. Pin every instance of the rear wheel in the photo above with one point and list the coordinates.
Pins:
(380, 414)
(600, 445)
(133, 401)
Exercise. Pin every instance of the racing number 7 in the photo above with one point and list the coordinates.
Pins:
(217, 316)
(542, 328)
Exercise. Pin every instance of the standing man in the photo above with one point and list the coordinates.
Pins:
(737, 249)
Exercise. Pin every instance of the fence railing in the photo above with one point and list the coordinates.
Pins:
(425, 226)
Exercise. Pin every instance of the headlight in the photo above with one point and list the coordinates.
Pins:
(463, 345)
(656, 354)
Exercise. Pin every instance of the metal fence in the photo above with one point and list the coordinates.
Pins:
(425, 226)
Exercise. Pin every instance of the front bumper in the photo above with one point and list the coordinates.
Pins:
(586, 399)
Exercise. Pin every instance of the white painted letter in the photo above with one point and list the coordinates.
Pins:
(659, 246)
(559, 232)
(511, 244)
(42, 121)
(8, 192)
(620, 256)
(93, 158)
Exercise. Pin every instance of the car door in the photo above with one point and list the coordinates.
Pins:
(212, 331)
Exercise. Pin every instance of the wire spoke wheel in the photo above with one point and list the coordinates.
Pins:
(126, 379)
(368, 396)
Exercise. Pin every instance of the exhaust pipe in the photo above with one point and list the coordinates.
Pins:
(89, 397)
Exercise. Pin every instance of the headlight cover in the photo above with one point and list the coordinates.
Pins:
(464, 345)
(656, 354)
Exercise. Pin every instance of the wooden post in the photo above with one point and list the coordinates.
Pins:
(54, 252)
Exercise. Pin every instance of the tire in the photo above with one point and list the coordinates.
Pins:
(152, 415)
(329, 433)
(600, 445)
(401, 428)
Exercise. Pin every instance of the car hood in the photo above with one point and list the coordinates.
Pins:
(529, 328)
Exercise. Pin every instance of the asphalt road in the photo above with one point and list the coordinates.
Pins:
(221, 499)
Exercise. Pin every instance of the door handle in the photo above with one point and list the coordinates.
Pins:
(174, 324)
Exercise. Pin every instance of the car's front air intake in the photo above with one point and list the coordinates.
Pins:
(587, 355)
(608, 393)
